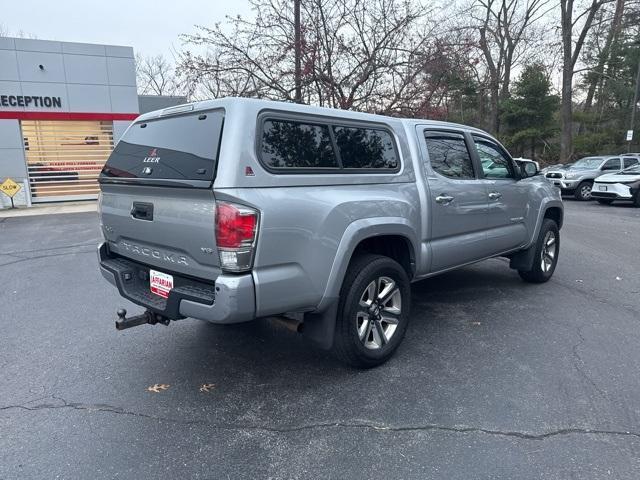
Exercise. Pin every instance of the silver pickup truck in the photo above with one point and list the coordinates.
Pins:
(236, 209)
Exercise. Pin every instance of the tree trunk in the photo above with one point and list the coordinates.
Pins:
(494, 107)
(533, 148)
(566, 114)
(481, 105)
(566, 106)
(605, 54)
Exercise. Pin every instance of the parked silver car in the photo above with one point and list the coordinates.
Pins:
(577, 179)
(235, 209)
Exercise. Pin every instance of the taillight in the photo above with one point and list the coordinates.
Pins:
(236, 231)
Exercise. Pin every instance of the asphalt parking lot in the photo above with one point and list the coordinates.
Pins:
(496, 378)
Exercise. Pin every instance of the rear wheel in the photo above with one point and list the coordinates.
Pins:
(605, 201)
(636, 200)
(545, 257)
(583, 192)
(373, 311)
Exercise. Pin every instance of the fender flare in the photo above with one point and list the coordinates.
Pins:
(319, 325)
(523, 259)
(355, 233)
(541, 213)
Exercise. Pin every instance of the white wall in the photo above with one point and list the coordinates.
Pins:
(12, 161)
(87, 78)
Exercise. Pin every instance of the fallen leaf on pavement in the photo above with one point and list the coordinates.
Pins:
(206, 387)
(158, 387)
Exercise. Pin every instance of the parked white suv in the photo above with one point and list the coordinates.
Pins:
(624, 185)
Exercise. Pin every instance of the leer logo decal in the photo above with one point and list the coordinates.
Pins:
(152, 157)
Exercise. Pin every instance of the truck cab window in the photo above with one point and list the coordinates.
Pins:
(449, 155)
(495, 163)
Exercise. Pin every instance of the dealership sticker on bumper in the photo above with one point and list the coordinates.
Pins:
(603, 188)
(161, 283)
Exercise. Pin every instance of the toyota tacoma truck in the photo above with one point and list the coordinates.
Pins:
(236, 209)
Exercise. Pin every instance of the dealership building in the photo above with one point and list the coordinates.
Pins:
(63, 106)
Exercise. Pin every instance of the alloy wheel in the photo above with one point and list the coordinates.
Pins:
(549, 250)
(378, 313)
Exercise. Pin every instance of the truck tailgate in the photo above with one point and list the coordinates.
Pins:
(176, 234)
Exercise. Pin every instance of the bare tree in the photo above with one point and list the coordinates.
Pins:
(155, 75)
(576, 21)
(596, 75)
(5, 32)
(507, 35)
(372, 55)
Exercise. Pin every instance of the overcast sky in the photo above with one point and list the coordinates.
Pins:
(150, 27)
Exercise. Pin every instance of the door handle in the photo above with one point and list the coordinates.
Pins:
(444, 199)
(495, 195)
(142, 211)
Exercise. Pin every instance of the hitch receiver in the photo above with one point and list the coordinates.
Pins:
(147, 317)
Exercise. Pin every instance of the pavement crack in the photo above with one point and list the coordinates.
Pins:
(363, 425)
(93, 243)
(579, 364)
(55, 254)
(594, 296)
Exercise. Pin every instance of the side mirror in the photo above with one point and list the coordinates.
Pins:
(528, 169)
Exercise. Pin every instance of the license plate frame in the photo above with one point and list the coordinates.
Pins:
(160, 283)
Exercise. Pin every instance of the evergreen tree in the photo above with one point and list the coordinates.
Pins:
(529, 114)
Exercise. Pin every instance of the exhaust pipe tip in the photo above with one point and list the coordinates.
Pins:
(288, 323)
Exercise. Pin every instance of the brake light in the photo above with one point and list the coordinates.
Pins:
(236, 231)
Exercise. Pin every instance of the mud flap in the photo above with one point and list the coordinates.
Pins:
(523, 260)
(320, 327)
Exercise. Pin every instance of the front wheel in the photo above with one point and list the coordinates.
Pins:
(545, 259)
(583, 192)
(636, 200)
(373, 311)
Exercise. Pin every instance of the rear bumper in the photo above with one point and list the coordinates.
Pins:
(230, 300)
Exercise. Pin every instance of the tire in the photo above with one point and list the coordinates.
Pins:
(363, 338)
(544, 260)
(583, 191)
(636, 200)
(604, 201)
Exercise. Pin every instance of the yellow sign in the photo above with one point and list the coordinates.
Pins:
(9, 187)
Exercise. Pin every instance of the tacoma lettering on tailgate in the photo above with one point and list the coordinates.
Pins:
(154, 253)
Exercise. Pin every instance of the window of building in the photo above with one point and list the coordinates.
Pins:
(64, 158)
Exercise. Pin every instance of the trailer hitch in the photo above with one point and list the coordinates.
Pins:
(147, 317)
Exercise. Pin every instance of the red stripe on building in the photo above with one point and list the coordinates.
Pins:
(19, 115)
